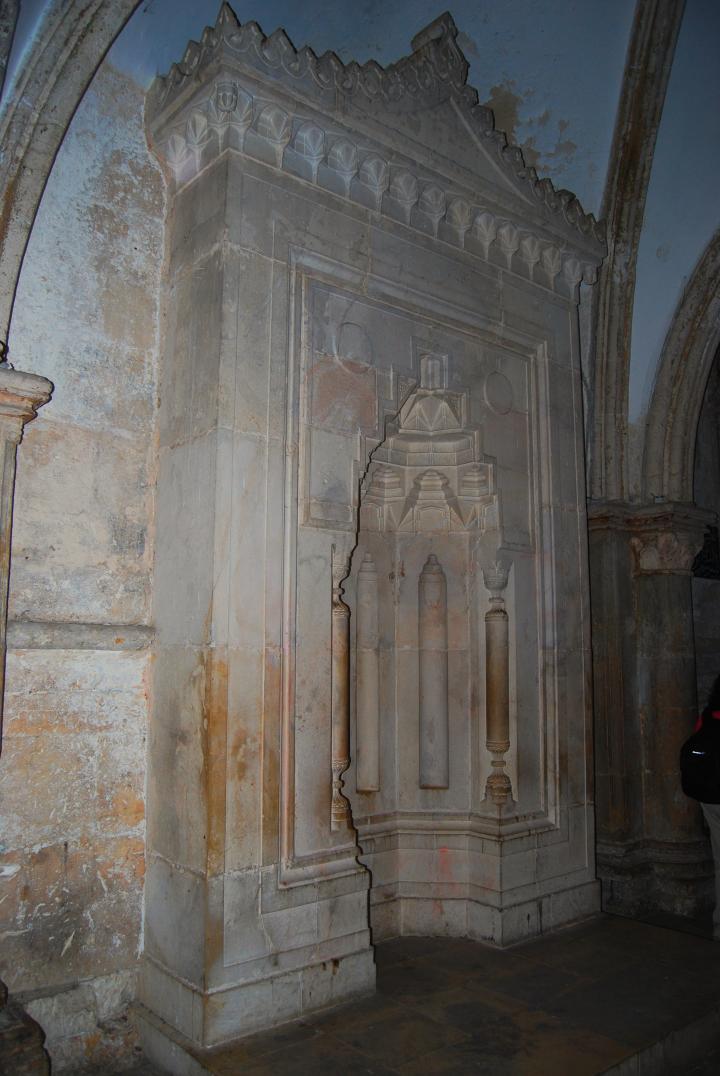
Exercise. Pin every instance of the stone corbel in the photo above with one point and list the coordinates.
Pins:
(21, 395)
(665, 539)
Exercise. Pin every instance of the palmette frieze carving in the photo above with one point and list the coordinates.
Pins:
(232, 119)
(436, 70)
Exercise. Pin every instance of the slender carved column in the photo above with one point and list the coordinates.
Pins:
(340, 704)
(368, 678)
(20, 397)
(434, 738)
(497, 689)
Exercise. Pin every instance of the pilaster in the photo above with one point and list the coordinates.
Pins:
(21, 394)
(652, 853)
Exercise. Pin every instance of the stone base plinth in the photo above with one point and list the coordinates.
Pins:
(645, 879)
(467, 918)
(212, 1018)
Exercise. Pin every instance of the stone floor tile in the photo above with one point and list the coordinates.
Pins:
(357, 1014)
(533, 984)
(398, 950)
(634, 1007)
(532, 1045)
(321, 1056)
(398, 1037)
(459, 1060)
(569, 1004)
(461, 958)
(416, 978)
(225, 1061)
(485, 1016)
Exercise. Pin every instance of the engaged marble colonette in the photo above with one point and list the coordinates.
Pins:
(372, 634)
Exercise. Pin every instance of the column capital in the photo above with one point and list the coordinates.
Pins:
(665, 537)
(21, 395)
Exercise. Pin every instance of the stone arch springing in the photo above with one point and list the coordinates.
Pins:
(687, 357)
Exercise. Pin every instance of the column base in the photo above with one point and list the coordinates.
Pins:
(649, 877)
(206, 1019)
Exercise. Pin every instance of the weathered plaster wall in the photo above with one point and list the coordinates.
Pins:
(682, 210)
(73, 766)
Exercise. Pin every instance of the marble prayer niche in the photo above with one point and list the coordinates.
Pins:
(371, 660)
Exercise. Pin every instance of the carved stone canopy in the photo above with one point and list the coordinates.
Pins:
(429, 473)
(409, 141)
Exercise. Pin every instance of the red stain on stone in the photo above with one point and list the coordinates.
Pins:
(445, 867)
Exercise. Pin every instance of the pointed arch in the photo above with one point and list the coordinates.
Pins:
(649, 61)
(687, 356)
(71, 41)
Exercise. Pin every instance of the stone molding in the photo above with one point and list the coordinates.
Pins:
(188, 132)
(688, 353)
(664, 538)
(647, 70)
(77, 635)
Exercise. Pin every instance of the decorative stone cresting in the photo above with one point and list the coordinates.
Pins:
(237, 117)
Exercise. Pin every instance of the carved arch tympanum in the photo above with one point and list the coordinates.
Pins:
(687, 357)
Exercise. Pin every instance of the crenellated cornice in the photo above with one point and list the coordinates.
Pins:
(308, 128)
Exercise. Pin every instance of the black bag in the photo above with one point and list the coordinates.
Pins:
(700, 763)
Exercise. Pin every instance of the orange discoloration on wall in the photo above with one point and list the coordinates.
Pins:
(343, 394)
(128, 806)
(215, 715)
(70, 911)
